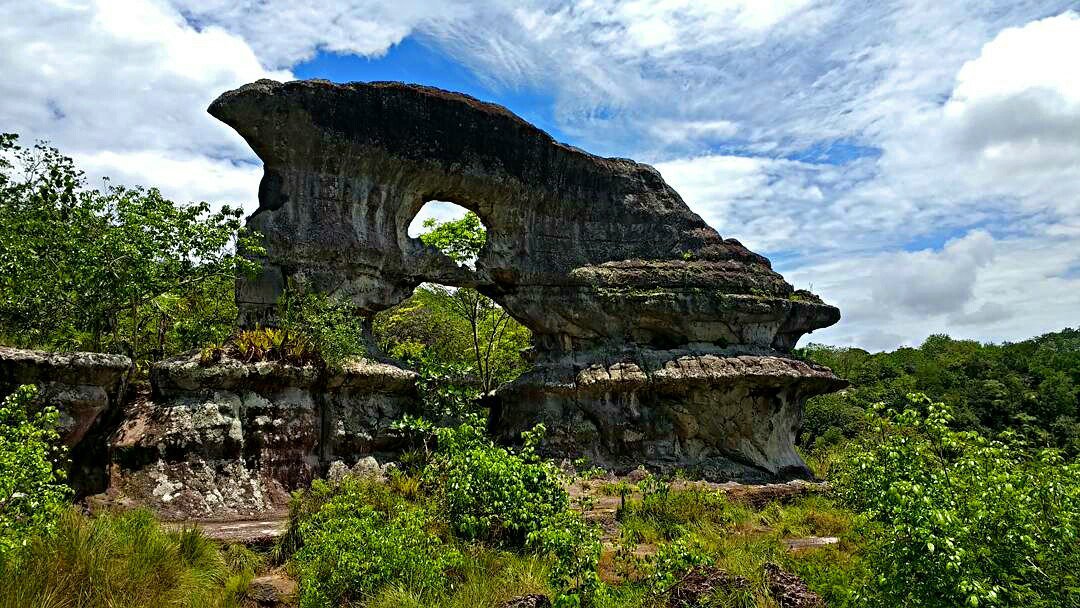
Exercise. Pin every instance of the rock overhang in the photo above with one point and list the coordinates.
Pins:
(579, 245)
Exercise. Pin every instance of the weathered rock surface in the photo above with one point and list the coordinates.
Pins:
(88, 389)
(231, 440)
(697, 585)
(789, 590)
(627, 291)
(532, 600)
(583, 250)
(725, 417)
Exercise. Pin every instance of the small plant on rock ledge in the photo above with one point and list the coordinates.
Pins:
(315, 329)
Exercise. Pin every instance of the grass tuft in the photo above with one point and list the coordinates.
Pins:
(120, 560)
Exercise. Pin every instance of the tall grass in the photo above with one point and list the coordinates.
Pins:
(120, 561)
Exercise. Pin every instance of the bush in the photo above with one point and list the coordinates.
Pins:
(264, 344)
(956, 519)
(360, 539)
(314, 329)
(334, 330)
(123, 560)
(515, 500)
(666, 515)
(574, 547)
(828, 419)
(490, 493)
(32, 493)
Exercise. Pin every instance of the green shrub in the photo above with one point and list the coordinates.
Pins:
(956, 519)
(666, 515)
(306, 504)
(32, 493)
(673, 560)
(490, 493)
(828, 419)
(516, 500)
(574, 548)
(240, 558)
(120, 560)
(264, 344)
(352, 546)
(330, 325)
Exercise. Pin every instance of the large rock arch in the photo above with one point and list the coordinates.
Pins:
(658, 341)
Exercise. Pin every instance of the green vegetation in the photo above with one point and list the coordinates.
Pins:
(969, 497)
(334, 331)
(459, 332)
(1032, 387)
(352, 547)
(121, 560)
(957, 519)
(121, 270)
(355, 539)
(490, 493)
(314, 329)
(32, 493)
(461, 240)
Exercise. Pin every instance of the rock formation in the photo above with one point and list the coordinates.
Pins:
(658, 341)
(221, 441)
(232, 439)
(88, 389)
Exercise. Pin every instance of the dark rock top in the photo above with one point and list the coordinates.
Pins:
(586, 251)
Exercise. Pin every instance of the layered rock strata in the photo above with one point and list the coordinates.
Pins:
(657, 340)
(221, 441)
(88, 390)
(232, 439)
(720, 416)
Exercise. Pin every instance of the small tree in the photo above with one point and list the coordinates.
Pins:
(32, 492)
(442, 325)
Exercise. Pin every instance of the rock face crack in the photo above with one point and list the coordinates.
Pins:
(637, 306)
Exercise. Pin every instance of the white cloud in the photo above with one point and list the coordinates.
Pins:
(124, 85)
(180, 176)
(973, 109)
(1005, 289)
(285, 32)
(932, 282)
(1010, 128)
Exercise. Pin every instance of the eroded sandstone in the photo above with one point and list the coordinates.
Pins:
(658, 342)
(232, 439)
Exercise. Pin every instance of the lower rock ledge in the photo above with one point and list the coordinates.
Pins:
(719, 417)
(231, 440)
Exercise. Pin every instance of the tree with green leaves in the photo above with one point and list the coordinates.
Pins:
(440, 326)
(954, 518)
(120, 269)
(1031, 386)
(461, 240)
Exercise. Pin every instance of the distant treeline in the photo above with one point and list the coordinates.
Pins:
(1032, 387)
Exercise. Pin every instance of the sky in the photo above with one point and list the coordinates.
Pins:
(915, 163)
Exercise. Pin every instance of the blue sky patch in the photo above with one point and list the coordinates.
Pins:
(416, 60)
(836, 152)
